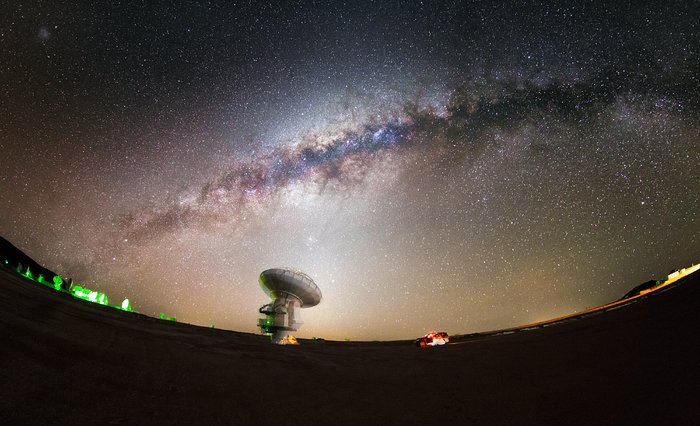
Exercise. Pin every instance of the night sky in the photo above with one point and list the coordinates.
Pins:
(460, 166)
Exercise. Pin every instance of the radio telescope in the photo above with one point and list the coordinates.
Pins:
(289, 290)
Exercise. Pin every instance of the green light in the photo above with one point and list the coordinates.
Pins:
(28, 273)
(126, 305)
(163, 317)
(89, 295)
(57, 281)
(42, 280)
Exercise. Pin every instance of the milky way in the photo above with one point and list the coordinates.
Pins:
(344, 159)
(460, 166)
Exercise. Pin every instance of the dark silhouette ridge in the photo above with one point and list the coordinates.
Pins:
(641, 287)
(15, 256)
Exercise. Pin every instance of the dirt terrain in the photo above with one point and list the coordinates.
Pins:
(67, 361)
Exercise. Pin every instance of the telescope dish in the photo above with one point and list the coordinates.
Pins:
(289, 290)
(277, 282)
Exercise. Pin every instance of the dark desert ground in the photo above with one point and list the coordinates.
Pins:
(67, 361)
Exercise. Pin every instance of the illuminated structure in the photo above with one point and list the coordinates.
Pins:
(28, 273)
(673, 276)
(57, 282)
(126, 305)
(289, 290)
(89, 295)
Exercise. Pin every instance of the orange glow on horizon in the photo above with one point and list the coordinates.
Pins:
(673, 277)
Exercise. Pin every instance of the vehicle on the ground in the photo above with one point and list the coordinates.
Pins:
(434, 338)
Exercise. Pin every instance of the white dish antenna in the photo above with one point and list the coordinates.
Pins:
(289, 290)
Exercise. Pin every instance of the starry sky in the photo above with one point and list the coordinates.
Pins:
(460, 166)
